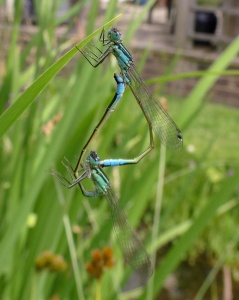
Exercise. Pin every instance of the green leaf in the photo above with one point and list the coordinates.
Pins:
(198, 94)
(22, 103)
(178, 252)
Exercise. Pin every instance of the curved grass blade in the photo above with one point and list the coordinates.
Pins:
(8, 118)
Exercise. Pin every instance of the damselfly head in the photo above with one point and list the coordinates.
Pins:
(114, 35)
(93, 159)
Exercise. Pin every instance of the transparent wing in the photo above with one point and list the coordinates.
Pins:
(129, 242)
(162, 124)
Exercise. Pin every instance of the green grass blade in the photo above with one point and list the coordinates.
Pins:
(196, 97)
(157, 213)
(179, 251)
(23, 102)
(175, 77)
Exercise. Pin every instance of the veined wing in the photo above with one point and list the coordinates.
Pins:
(162, 124)
(129, 242)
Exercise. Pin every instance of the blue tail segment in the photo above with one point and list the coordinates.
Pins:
(116, 162)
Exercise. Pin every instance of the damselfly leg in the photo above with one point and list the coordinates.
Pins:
(93, 54)
(74, 180)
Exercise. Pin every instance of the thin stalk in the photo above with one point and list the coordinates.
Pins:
(157, 210)
(73, 254)
(209, 280)
(227, 283)
(98, 290)
(71, 245)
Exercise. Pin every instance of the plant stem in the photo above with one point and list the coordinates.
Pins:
(157, 210)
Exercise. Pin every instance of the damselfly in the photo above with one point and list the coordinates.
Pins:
(157, 118)
(109, 110)
(127, 239)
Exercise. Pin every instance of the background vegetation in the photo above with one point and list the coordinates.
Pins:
(185, 205)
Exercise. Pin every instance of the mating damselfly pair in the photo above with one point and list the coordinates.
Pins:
(158, 121)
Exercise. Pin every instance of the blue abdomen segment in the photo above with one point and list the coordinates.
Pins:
(116, 162)
(120, 86)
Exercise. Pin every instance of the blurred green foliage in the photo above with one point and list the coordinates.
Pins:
(209, 2)
(197, 187)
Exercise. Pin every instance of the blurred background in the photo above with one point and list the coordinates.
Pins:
(184, 205)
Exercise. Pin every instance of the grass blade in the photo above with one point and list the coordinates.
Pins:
(22, 103)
